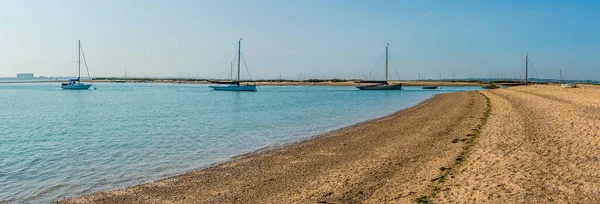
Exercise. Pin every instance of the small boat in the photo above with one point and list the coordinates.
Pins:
(490, 86)
(76, 83)
(566, 85)
(381, 85)
(236, 86)
(429, 87)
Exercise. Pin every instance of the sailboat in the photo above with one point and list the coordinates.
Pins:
(433, 87)
(382, 85)
(566, 85)
(236, 86)
(76, 83)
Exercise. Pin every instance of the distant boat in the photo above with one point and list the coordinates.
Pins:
(433, 87)
(429, 87)
(236, 86)
(76, 83)
(382, 85)
(566, 85)
(490, 86)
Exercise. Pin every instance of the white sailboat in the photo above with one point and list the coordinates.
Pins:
(382, 85)
(236, 86)
(76, 83)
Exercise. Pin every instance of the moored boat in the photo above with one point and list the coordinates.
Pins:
(429, 87)
(76, 84)
(490, 86)
(382, 85)
(236, 86)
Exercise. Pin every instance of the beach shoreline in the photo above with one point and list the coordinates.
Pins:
(299, 151)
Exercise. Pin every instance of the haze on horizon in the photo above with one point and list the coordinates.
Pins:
(332, 39)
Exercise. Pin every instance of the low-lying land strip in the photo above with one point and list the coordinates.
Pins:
(339, 82)
(398, 158)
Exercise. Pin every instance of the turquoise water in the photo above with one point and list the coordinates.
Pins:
(58, 143)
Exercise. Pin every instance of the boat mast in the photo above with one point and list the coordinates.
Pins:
(231, 70)
(79, 60)
(239, 59)
(526, 67)
(386, 62)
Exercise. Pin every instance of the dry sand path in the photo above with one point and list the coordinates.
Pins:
(392, 159)
(541, 144)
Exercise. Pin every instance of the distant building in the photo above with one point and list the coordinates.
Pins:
(25, 76)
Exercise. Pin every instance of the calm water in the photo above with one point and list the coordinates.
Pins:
(58, 143)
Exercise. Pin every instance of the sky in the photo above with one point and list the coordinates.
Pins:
(314, 39)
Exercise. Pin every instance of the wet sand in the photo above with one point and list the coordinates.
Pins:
(391, 159)
(541, 144)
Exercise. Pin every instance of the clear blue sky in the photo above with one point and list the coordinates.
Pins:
(341, 39)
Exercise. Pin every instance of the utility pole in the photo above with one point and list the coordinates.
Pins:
(526, 67)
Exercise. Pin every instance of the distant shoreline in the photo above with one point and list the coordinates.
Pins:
(313, 82)
(268, 82)
(285, 82)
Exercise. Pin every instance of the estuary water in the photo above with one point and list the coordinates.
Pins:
(58, 143)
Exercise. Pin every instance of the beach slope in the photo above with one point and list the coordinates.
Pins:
(541, 144)
(391, 159)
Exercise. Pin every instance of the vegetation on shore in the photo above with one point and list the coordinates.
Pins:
(469, 141)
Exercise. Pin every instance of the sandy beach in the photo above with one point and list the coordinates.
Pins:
(522, 144)
(391, 159)
(541, 144)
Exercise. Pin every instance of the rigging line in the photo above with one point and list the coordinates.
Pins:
(394, 67)
(233, 56)
(379, 61)
(534, 71)
(86, 66)
(245, 65)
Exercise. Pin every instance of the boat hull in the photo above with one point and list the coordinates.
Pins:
(430, 87)
(490, 86)
(235, 88)
(569, 85)
(76, 87)
(381, 87)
